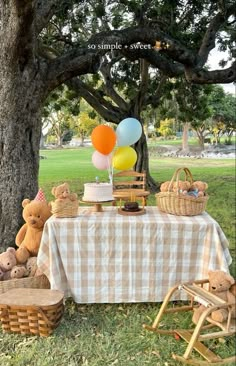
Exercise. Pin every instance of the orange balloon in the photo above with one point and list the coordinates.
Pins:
(103, 139)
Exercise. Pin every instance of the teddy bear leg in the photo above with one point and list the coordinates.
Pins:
(220, 315)
(22, 254)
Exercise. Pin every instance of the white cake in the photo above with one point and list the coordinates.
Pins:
(97, 192)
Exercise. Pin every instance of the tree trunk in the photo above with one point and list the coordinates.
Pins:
(185, 146)
(142, 163)
(20, 133)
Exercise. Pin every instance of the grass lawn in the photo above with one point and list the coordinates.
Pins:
(112, 334)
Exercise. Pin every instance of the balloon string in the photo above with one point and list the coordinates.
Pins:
(110, 170)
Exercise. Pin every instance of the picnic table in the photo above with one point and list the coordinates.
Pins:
(105, 257)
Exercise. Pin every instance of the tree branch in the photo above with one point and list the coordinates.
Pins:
(139, 99)
(104, 108)
(211, 77)
(109, 86)
(154, 99)
(44, 12)
(78, 62)
(208, 41)
(156, 59)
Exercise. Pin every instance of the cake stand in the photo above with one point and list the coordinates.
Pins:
(97, 206)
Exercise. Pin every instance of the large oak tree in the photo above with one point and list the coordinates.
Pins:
(30, 70)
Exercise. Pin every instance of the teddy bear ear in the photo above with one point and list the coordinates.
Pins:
(53, 191)
(11, 250)
(25, 202)
(230, 279)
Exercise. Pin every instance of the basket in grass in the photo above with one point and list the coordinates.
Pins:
(41, 281)
(31, 311)
(176, 202)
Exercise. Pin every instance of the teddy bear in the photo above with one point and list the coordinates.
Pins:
(66, 203)
(199, 187)
(1, 274)
(35, 214)
(182, 186)
(18, 271)
(62, 192)
(220, 284)
(165, 186)
(7, 262)
(32, 268)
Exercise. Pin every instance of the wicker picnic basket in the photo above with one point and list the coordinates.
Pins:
(31, 311)
(40, 281)
(176, 203)
(64, 208)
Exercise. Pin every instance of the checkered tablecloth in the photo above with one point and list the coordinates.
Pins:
(105, 257)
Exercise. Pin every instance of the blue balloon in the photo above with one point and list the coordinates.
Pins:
(128, 131)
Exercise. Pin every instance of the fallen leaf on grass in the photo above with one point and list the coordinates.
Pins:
(156, 353)
(114, 362)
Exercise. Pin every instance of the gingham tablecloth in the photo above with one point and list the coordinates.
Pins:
(105, 257)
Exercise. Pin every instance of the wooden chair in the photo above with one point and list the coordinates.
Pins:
(195, 336)
(130, 185)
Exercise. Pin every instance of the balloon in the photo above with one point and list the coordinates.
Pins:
(103, 139)
(128, 131)
(124, 158)
(101, 161)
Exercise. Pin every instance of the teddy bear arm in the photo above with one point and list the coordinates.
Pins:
(21, 235)
(73, 196)
(32, 239)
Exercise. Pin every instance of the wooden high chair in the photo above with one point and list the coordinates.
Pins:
(194, 337)
(129, 185)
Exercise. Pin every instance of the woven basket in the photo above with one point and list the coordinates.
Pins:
(64, 208)
(31, 311)
(176, 203)
(40, 281)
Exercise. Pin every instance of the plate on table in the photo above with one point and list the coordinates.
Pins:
(123, 211)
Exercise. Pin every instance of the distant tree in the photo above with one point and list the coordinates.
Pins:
(60, 126)
(84, 125)
(166, 127)
(223, 106)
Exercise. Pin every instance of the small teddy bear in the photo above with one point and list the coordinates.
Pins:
(199, 187)
(32, 268)
(1, 275)
(66, 204)
(165, 186)
(220, 284)
(7, 262)
(182, 186)
(62, 192)
(18, 271)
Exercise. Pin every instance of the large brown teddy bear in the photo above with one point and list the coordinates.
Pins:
(220, 284)
(35, 214)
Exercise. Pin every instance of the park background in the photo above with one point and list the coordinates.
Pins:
(48, 71)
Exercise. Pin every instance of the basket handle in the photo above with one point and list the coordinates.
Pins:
(188, 176)
(45, 318)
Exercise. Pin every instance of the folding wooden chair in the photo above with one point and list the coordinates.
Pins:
(195, 336)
